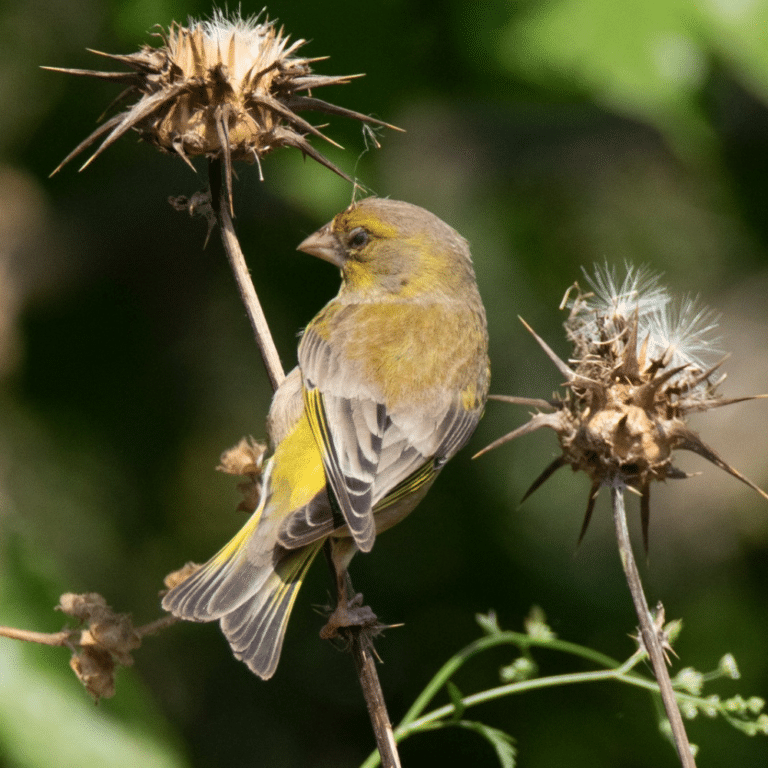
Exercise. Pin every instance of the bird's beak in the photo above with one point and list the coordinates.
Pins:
(325, 245)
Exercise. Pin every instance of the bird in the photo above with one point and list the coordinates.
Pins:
(392, 379)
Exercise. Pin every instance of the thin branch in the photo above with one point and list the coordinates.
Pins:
(157, 626)
(374, 698)
(524, 686)
(648, 630)
(522, 641)
(248, 295)
(42, 638)
(358, 640)
(70, 635)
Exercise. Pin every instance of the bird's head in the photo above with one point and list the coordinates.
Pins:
(388, 248)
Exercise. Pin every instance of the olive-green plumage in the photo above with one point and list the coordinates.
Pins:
(392, 379)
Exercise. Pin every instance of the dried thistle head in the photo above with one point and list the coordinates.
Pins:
(102, 646)
(637, 370)
(247, 460)
(226, 88)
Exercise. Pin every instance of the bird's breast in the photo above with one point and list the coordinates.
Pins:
(411, 351)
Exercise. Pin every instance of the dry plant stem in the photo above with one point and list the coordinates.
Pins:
(157, 626)
(222, 205)
(361, 648)
(66, 636)
(42, 638)
(648, 629)
(374, 699)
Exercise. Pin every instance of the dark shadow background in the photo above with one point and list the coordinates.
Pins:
(552, 135)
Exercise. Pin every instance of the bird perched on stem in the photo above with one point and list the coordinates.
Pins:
(392, 379)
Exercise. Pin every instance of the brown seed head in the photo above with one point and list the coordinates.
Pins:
(635, 375)
(247, 460)
(226, 88)
(105, 643)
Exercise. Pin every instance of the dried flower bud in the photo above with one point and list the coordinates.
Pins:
(95, 668)
(246, 459)
(227, 88)
(83, 606)
(105, 643)
(636, 372)
(182, 574)
(113, 633)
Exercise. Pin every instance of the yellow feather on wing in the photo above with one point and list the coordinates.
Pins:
(252, 582)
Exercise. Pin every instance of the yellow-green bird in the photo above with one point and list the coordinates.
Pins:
(392, 379)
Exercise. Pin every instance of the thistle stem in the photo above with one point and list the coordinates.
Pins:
(42, 638)
(648, 629)
(374, 699)
(221, 205)
(359, 641)
(69, 636)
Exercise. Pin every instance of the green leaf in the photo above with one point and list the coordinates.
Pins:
(648, 60)
(502, 743)
(456, 700)
(488, 622)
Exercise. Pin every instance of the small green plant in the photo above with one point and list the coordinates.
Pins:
(522, 675)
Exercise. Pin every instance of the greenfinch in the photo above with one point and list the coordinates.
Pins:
(392, 379)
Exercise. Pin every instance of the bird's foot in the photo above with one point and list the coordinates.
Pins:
(350, 613)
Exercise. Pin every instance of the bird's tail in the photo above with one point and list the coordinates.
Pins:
(256, 628)
(250, 592)
(250, 586)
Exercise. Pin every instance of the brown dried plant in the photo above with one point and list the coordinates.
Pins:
(246, 459)
(101, 642)
(636, 373)
(228, 88)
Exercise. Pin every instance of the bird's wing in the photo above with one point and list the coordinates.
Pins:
(417, 444)
(294, 484)
(350, 433)
(348, 422)
(370, 450)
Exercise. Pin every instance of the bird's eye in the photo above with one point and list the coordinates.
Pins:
(358, 237)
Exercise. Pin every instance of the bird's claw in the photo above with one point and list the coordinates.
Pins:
(350, 614)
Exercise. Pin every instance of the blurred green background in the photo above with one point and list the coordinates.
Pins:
(552, 135)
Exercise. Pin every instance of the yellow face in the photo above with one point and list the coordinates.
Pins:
(367, 242)
(392, 249)
(359, 225)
